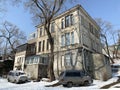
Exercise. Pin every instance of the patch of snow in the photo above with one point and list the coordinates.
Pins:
(5, 85)
(45, 79)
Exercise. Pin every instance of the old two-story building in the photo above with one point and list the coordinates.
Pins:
(26, 59)
(76, 45)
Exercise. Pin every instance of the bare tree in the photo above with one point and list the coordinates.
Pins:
(118, 44)
(106, 27)
(12, 37)
(45, 10)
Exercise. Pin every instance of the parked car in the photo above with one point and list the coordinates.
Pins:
(74, 77)
(17, 76)
(115, 69)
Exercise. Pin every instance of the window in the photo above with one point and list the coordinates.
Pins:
(67, 21)
(67, 38)
(68, 60)
(62, 23)
(34, 35)
(18, 60)
(40, 31)
(72, 37)
(62, 61)
(35, 60)
(39, 49)
(43, 60)
(44, 32)
(92, 29)
(63, 40)
(85, 23)
(93, 45)
(26, 61)
(52, 27)
(82, 20)
(71, 19)
(31, 60)
(43, 45)
(47, 47)
(97, 33)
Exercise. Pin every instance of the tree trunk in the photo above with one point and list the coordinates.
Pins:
(108, 50)
(51, 63)
(116, 52)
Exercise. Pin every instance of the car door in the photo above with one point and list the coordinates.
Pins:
(78, 78)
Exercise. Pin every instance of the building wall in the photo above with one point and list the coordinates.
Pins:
(19, 60)
(32, 71)
(86, 35)
(60, 63)
(82, 32)
(102, 68)
(36, 66)
(83, 35)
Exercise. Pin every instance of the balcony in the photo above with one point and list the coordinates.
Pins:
(31, 49)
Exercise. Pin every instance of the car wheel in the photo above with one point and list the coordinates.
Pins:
(86, 83)
(64, 85)
(15, 81)
(69, 84)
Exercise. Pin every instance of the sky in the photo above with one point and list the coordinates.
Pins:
(108, 10)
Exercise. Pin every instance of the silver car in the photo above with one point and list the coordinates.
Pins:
(74, 77)
(17, 76)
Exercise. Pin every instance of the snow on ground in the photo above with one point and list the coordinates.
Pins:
(5, 85)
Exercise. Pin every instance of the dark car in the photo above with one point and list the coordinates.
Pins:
(74, 77)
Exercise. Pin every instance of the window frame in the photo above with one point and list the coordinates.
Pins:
(67, 39)
(39, 48)
(52, 27)
(63, 40)
(68, 63)
(67, 21)
(72, 38)
(40, 32)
